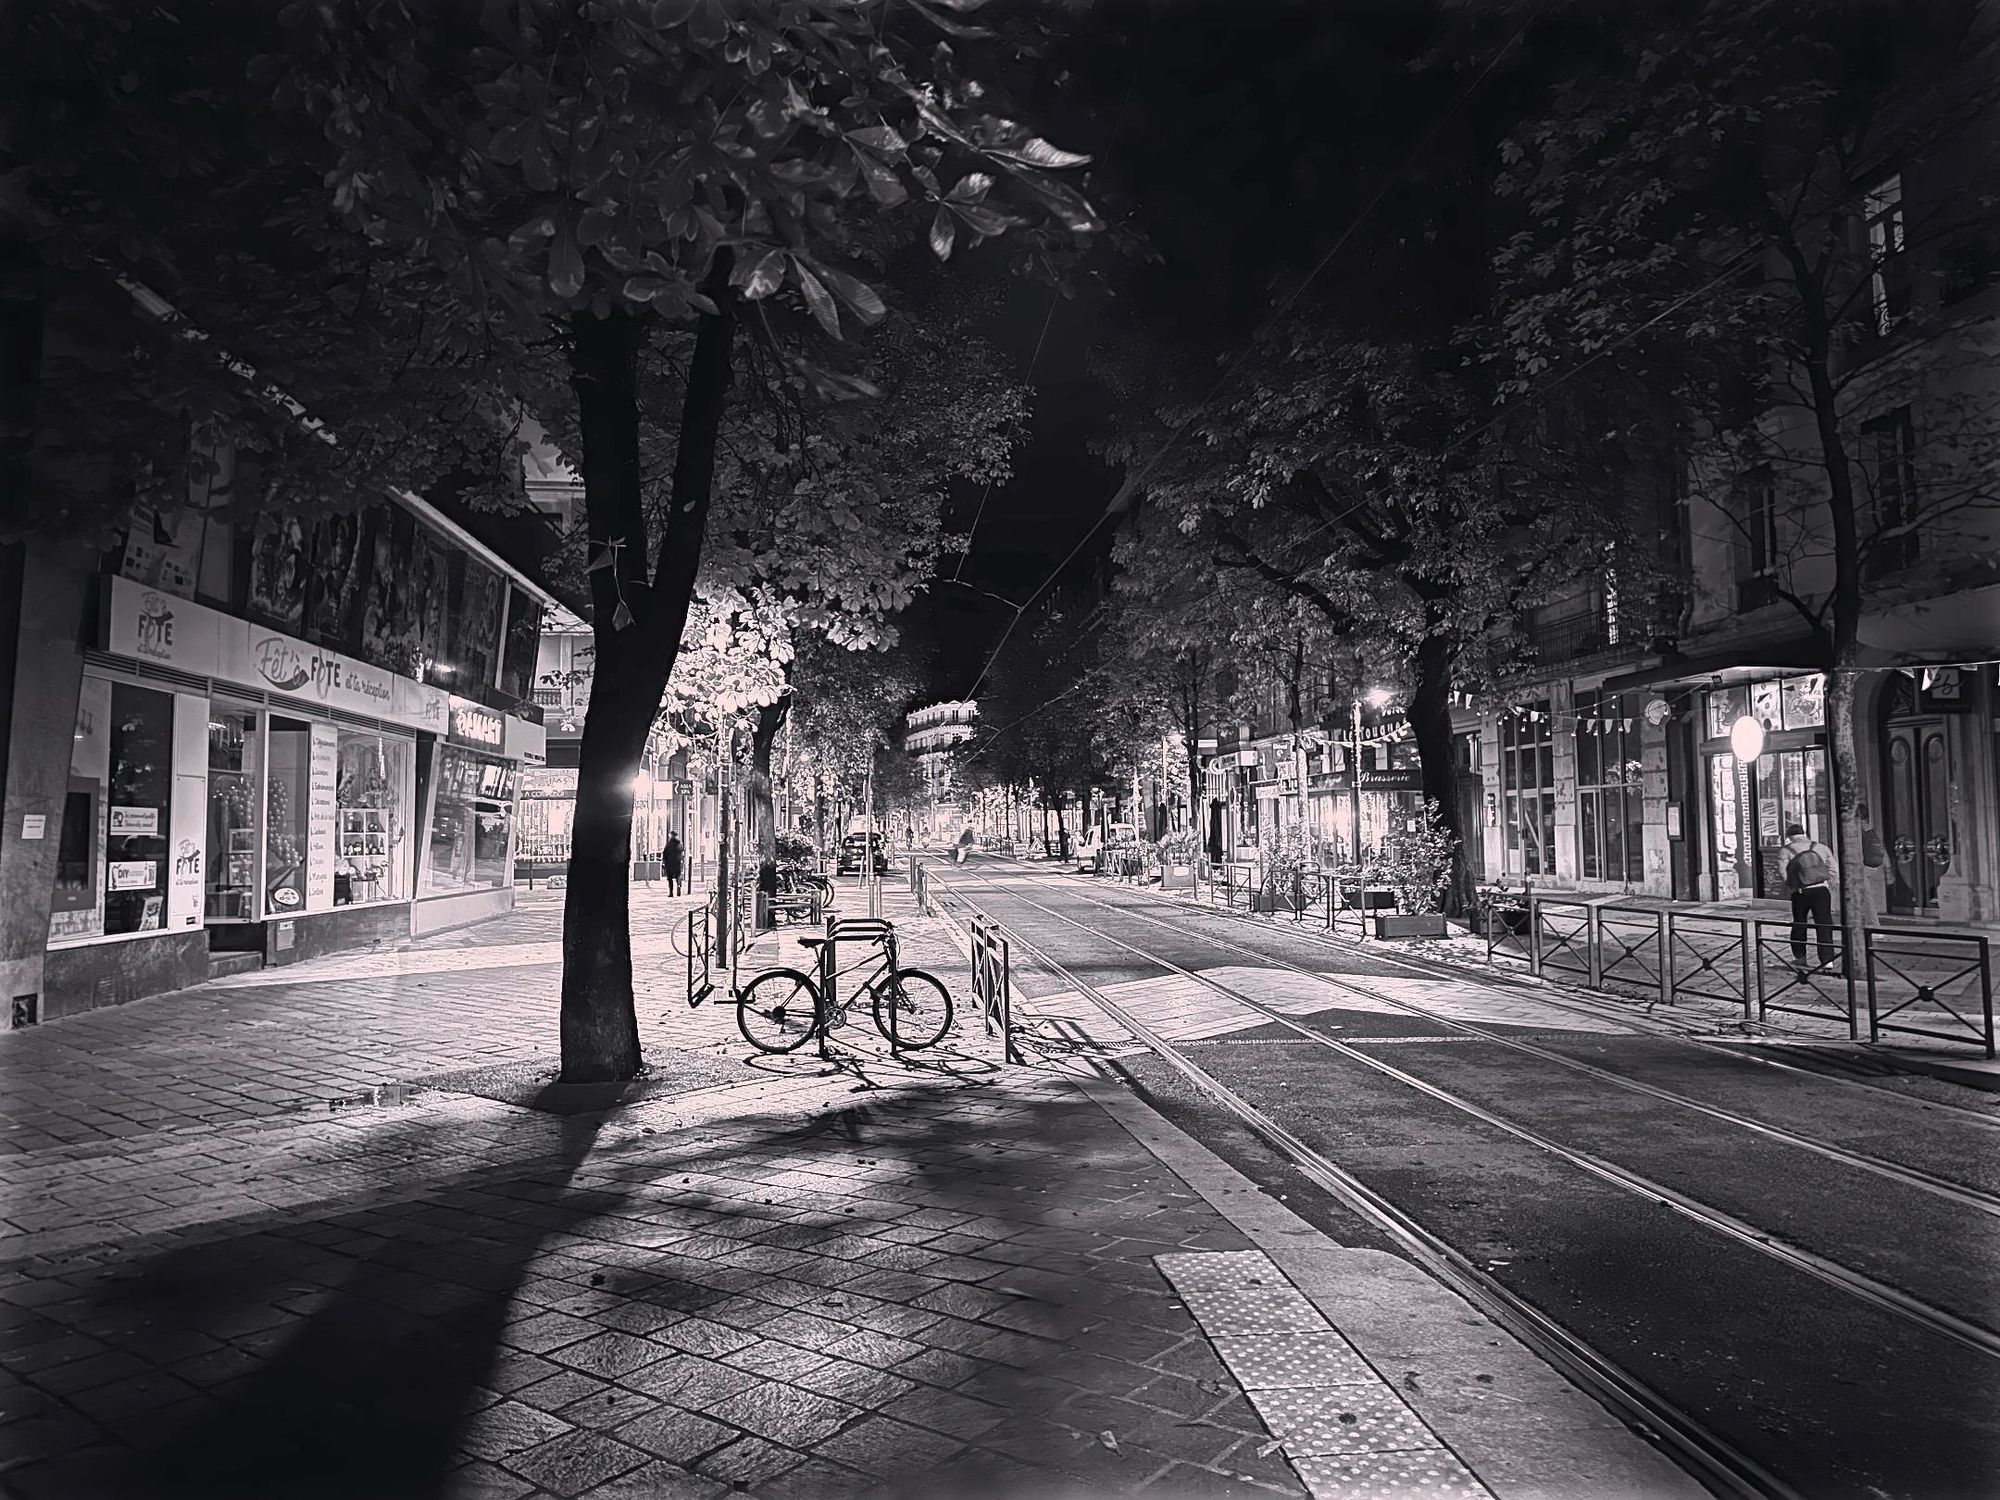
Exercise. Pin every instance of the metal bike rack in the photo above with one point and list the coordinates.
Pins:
(700, 972)
(993, 983)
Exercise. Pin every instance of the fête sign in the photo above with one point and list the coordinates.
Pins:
(147, 625)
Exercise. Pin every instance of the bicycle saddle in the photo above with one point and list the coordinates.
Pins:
(814, 942)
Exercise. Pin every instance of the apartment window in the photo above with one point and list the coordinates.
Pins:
(1610, 811)
(1888, 276)
(1528, 790)
(1888, 512)
(1757, 540)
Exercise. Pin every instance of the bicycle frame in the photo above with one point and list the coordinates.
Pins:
(884, 963)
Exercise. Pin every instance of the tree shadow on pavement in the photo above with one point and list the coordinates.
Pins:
(368, 1395)
(982, 1256)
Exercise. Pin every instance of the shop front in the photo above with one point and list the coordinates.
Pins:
(236, 790)
(467, 864)
(1751, 802)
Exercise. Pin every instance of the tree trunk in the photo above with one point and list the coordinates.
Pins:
(1430, 722)
(757, 802)
(1843, 647)
(636, 627)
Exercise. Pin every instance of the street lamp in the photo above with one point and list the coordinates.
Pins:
(1374, 698)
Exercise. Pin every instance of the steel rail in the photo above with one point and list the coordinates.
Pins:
(1717, 1463)
(1916, 1177)
(1867, 1288)
(1650, 1025)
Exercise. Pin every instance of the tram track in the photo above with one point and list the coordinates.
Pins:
(1855, 1283)
(1720, 1465)
(1900, 1172)
(1649, 1023)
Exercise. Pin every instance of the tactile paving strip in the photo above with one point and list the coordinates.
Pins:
(1219, 1270)
(1280, 1308)
(1341, 1419)
(1280, 1361)
(1422, 1474)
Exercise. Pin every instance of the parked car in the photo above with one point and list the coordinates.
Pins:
(854, 849)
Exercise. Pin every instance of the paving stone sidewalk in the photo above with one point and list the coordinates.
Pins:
(262, 1045)
(932, 1276)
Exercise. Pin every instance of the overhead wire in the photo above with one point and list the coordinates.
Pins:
(1132, 481)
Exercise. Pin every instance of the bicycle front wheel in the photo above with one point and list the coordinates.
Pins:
(778, 1011)
(915, 1004)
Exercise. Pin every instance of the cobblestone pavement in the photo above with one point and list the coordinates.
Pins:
(262, 1044)
(931, 1276)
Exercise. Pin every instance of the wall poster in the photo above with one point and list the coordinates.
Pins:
(321, 816)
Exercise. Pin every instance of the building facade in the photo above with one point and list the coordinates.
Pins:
(243, 744)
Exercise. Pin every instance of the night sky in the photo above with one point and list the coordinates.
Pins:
(1232, 145)
(1059, 489)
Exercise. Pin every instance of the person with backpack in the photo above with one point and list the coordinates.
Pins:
(1809, 879)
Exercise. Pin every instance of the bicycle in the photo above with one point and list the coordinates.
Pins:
(783, 1009)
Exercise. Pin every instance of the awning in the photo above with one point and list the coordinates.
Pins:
(1955, 630)
(1725, 665)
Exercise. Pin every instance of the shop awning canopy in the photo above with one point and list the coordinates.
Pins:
(1956, 630)
(1724, 666)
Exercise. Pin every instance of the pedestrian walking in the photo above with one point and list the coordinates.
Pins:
(670, 864)
(964, 843)
(1808, 877)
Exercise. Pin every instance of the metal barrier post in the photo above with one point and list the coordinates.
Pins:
(1534, 933)
(823, 999)
(1753, 972)
(1663, 928)
(1847, 968)
(1011, 1053)
(1593, 946)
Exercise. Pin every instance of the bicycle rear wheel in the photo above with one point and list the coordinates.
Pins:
(778, 1011)
(919, 1004)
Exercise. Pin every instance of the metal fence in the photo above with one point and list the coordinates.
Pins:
(1934, 984)
(1931, 984)
(993, 983)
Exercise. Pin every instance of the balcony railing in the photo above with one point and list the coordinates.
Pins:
(548, 697)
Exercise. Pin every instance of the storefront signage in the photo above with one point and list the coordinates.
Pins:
(474, 725)
(322, 767)
(188, 818)
(133, 875)
(544, 782)
(1392, 781)
(126, 821)
(525, 742)
(147, 625)
(421, 706)
(284, 665)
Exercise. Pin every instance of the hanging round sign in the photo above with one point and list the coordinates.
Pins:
(1658, 711)
(1746, 739)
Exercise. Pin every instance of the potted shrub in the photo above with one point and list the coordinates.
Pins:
(1415, 863)
(1287, 854)
(1177, 856)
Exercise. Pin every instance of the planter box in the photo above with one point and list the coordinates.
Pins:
(1373, 898)
(1422, 925)
(1272, 901)
(1177, 877)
